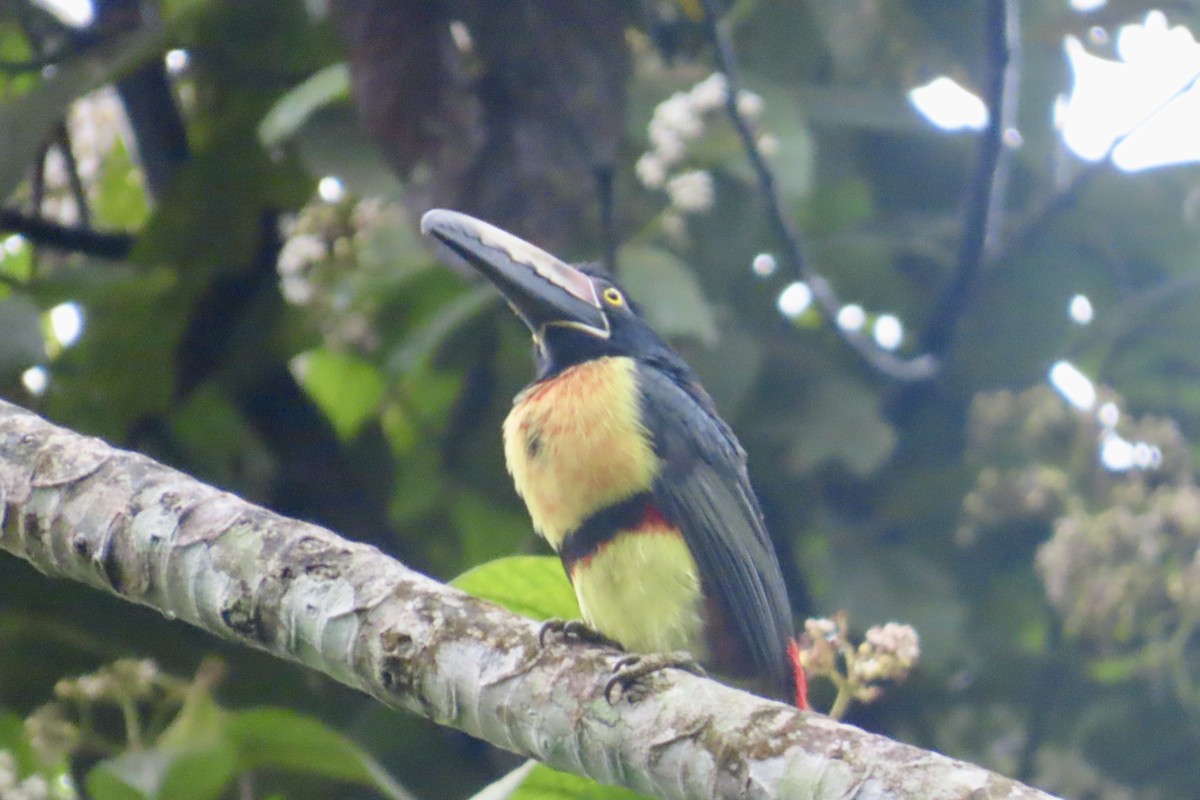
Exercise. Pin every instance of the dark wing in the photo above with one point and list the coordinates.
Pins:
(704, 489)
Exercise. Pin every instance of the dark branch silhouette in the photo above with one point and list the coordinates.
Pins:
(985, 197)
(64, 237)
(62, 140)
(1065, 197)
(915, 369)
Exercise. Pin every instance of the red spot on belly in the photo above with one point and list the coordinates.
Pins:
(652, 523)
(653, 520)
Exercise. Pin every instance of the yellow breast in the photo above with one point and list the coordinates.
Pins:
(575, 444)
(642, 589)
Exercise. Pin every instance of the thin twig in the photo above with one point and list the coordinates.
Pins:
(32, 65)
(915, 369)
(62, 137)
(1065, 197)
(1009, 98)
(37, 182)
(985, 197)
(62, 237)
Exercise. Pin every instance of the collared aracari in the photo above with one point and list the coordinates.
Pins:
(628, 472)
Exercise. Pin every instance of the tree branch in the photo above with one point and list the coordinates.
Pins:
(158, 127)
(79, 240)
(62, 140)
(76, 508)
(916, 369)
(985, 197)
(1065, 198)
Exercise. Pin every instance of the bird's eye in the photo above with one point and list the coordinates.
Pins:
(613, 297)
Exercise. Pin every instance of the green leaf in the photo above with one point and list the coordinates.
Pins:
(534, 781)
(332, 142)
(544, 783)
(21, 342)
(419, 488)
(668, 292)
(730, 369)
(206, 747)
(1147, 348)
(346, 388)
(14, 741)
(131, 776)
(841, 423)
(121, 200)
(201, 722)
(793, 160)
(869, 108)
(504, 787)
(198, 773)
(16, 263)
(26, 121)
(429, 395)
(191, 760)
(277, 738)
(123, 366)
(209, 221)
(217, 440)
(486, 531)
(293, 109)
(835, 208)
(191, 773)
(1117, 669)
(392, 252)
(179, 9)
(1017, 326)
(533, 586)
(418, 347)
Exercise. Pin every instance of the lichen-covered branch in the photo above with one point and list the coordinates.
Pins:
(76, 508)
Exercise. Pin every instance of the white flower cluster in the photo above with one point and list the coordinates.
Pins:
(691, 192)
(887, 652)
(95, 122)
(51, 735)
(820, 655)
(34, 787)
(298, 252)
(321, 233)
(676, 121)
(333, 255)
(122, 678)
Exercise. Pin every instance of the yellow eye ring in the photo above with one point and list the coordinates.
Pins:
(613, 297)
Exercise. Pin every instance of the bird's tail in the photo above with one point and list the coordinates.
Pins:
(798, 679)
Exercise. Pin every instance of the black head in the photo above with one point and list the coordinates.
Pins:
(628, 334)
(575, 313)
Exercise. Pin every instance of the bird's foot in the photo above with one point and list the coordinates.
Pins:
(574, 630)
(629, 671)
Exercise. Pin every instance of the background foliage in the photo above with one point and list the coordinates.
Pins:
(303, 350)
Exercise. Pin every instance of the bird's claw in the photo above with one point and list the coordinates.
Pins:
(628, 671)
(574, 630)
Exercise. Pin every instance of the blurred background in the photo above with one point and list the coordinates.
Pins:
(208, 253)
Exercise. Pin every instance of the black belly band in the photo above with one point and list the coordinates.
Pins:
(602, 527)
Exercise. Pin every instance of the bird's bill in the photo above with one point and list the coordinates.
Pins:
(542, 289)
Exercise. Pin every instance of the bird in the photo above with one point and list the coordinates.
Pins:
(630, 475)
